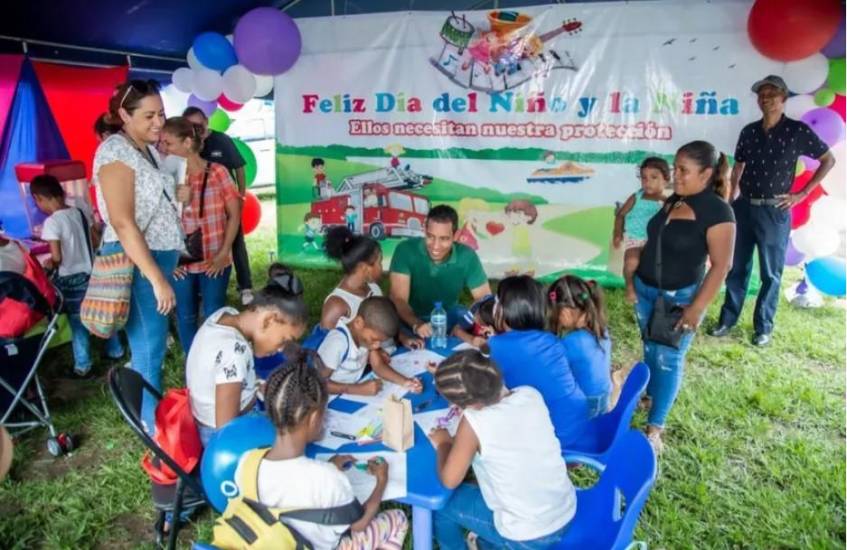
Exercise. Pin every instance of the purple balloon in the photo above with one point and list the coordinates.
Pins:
(792, 255)
(207, 107)
(835, 48)
(826, 124)
(267, 41)
(810, 163)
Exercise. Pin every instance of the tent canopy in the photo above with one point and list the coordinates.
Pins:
(157, 33)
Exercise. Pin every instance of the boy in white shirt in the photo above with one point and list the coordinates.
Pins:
(347, 349)
(72, 238)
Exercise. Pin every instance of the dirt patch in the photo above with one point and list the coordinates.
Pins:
(131, 530)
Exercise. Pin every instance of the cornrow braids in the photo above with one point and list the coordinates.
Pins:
(469, 378)
(574, 292)
(294, 391)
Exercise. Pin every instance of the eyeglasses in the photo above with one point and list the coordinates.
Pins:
(143, 87)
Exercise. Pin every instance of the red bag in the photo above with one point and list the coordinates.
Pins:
(17, 317)
(176, 434)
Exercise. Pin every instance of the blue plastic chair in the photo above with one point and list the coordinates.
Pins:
(607, 428)
(607, 512)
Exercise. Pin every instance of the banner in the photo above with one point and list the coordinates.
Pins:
(530, 122)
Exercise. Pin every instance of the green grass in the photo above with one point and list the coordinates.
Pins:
(754, 458)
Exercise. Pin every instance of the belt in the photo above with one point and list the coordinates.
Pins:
(763, 202)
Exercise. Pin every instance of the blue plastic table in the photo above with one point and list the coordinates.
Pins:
(424, 491)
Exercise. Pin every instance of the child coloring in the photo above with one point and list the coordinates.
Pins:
(347, 350)
(477, 326)
(219, 370)
(632, 217)
(296, 398)
(523, 497)
(578, 315)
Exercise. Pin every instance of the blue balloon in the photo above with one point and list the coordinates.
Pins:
(225, 449)
(829, 275)
(214, 51)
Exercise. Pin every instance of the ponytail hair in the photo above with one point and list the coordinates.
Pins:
(351, 250)
(469, 378)
(294, 391)
(182, 128)
(706, 156)
(585, 296)
(284, 293)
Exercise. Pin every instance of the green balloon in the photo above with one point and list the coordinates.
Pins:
(219, 121)
(824, 97)
(835, 80)
(249, 158)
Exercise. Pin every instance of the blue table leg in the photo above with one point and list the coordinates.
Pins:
(421, 528)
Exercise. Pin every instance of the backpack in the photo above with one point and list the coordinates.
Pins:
(26, 298)
(247, 524)
(176, 434)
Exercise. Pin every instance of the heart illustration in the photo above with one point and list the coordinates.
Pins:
(494, 228)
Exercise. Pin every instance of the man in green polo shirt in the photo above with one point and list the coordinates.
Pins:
(435, 269)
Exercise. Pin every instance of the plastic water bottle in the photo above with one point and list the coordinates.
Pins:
(438, 321)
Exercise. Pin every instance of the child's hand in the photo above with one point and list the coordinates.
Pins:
(439, 436)
(410, 341)
(378, 468)
(478, 341)
(414, 385)
(341, 461)
(371, 387)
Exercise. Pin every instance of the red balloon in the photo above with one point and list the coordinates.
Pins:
(801, 211)
(838, 105)
(229, 105)
(251, 213)
(788, 30)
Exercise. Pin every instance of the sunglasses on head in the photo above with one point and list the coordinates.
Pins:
(143, 87)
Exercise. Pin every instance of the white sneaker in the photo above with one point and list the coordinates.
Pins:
(246, 297)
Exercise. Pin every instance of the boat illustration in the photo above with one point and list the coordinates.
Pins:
(567, 172)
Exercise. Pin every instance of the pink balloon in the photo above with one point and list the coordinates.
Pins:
(826, 124)
(229, 105)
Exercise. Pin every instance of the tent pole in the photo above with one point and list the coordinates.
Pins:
(24, 41)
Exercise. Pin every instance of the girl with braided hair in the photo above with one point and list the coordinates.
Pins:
(296, 398)
(577, 313)
(523, 498)
(220, 370)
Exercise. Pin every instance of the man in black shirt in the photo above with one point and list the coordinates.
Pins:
(765, 160)
(218, 147)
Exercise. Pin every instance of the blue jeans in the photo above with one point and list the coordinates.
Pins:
(205, 433)
(146, 328)
(466, 509)
(73, 289)
(597, 404)
(766, 228)
(210, 290)
(666, 363)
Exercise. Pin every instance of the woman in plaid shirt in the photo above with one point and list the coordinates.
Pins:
(214, 207)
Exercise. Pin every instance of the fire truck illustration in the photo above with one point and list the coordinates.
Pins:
(381, 202)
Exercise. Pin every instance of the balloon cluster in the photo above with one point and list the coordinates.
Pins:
(224, 72)
(808, 37)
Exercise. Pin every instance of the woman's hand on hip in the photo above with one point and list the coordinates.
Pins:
(165, 297)
(690, 319)
(180, 273)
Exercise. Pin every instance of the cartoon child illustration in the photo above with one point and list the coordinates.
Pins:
(323, 187)
(520, 215)
(370, 200)
(395, 150)
(311, 229)
(350, 218)
(549, 157)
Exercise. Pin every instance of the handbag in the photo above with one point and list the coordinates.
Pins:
(194, 240)
(105, 308)
(661, 328)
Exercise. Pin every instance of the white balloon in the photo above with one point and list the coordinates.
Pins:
(798, 105)
(835, 182)
(264, 85)
(815, 240)
(174, 100)
(239, 84)
(231, 38)
(192, 60)
(207, 84)
(806, 75)
(182, 79)
(829, 212)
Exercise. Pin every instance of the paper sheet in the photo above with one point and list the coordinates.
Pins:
(388, 389)
(439, 418)
(346, 423)
(463, 346)
(413, 363)
(363, 483)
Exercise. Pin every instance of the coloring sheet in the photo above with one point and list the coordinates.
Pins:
(415, 362)
(439, 418)
(336, 422)
(363, 482)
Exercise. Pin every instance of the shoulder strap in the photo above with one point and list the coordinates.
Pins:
(85, 230)
(337, 515)
(347, 337)
(203, 188)
(248, 483)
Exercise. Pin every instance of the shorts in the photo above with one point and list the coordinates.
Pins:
(631, 242)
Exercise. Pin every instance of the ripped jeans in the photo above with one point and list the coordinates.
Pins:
(666, 363)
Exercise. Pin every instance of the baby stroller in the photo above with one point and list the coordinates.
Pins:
(24, 301)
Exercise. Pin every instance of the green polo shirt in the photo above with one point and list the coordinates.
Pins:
(431, 282)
